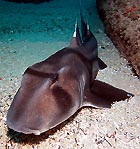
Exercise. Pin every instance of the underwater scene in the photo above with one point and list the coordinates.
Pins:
(36, 32)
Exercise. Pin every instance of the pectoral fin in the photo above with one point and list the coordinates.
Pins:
(97, 65)
(101, 64)
(104, 95)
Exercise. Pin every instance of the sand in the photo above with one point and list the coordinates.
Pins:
(30, 33)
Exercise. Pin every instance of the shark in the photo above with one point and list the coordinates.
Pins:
(53, 90)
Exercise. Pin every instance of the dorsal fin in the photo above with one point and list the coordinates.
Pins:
(76, 39)
(90, 44)
(83, 27)
(87, 36)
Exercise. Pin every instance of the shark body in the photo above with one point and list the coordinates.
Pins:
(53, 90)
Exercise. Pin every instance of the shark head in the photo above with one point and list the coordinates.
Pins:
(40, 104)
(31, 109)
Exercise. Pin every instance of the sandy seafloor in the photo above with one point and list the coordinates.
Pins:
(30, 33)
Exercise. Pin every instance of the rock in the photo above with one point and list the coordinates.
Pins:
(122, 24)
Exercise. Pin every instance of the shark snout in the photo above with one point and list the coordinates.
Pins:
(23, 129)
